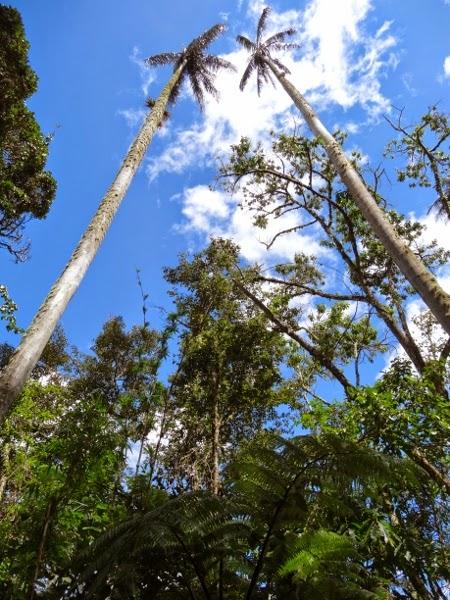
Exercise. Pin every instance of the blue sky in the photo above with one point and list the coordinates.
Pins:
(358, 59)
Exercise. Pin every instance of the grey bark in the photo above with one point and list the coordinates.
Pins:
(409, 264)
(22, 362)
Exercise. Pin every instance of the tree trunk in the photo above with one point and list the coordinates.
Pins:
(5, 468)
(409, 264)
(49, 515)
(22, 362)
(438, 476)
(216, 449)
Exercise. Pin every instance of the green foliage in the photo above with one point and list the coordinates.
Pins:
(26, 189)
(8, 310)
(320, 565)
(315, 551)
(59, 459)
(115, 484)
(63, 457)
(426, 148)
(343, 322)
(287, 525)
(228, 379)
(346, 512)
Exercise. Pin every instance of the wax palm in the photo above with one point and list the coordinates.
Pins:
(260, 50)
(192, 64)
(409, 264)
(198, 67)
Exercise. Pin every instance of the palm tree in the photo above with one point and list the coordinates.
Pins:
(409, 264)
(191, 63)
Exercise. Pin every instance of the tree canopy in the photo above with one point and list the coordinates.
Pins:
(281, 430)
(26, 188)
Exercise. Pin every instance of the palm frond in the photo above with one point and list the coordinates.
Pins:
(246, 43)
(248, 71)
(165, 58)
(313, 549)
(280, 65)
(262, 23)
(199, 68)
(262, 76)
(280, 37)
(207, 37)
(207, 83)
(191, 528)
(259, 81)
(197, 90)
(215, 63)
(284, 47)
(177, 88)
(261, 53)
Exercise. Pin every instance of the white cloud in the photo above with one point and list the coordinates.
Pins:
(148, 76)
(135, 116)
(132, 116)
(436, 229)
(152, 438)
(447, 65)
(340, 64)
(214, 213)
(204, 210)
(407, 79)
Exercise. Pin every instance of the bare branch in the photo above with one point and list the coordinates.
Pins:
(313, 351)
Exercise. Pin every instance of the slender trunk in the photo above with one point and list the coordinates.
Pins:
(321, 358)
(5, 469)
(16, 372)
(215, 434)
(49, 515)
(141, 449)
(220, 586)
(216, 449)
(162, 428)
(409, 264)
(440, 478)
(3, 482)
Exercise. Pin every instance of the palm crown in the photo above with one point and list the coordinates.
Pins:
(198, 67)
(260, 51)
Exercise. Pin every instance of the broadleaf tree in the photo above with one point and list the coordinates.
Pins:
(407, 261)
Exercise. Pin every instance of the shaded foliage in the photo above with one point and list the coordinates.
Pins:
(26, 189)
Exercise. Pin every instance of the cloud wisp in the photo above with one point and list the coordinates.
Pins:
(447, 67)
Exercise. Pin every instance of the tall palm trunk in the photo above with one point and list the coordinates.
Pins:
(409, 264)
(22, 362)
